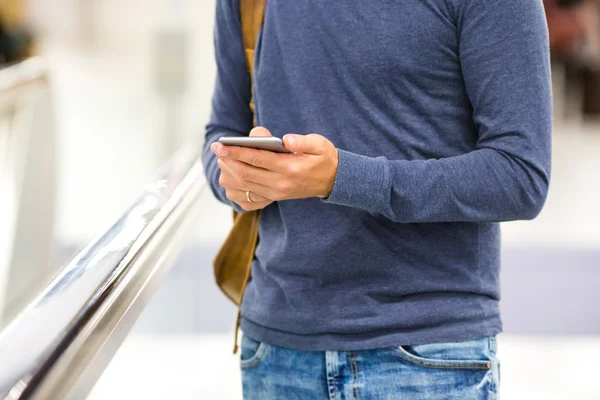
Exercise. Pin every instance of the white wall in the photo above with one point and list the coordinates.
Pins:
(110, 118)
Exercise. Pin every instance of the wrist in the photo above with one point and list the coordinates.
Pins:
(330, 176)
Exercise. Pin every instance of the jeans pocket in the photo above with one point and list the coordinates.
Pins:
(252, 352)
(474, 354)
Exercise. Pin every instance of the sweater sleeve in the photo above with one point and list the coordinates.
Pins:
(504, 55)
(230, 113)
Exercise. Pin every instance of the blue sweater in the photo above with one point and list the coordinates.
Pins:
(441, 111)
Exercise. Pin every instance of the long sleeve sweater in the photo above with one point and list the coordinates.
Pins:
(441, 113)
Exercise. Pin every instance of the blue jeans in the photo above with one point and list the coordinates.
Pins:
(464, 370)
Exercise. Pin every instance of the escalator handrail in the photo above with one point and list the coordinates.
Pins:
(60, 344)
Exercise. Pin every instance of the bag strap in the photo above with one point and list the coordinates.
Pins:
(252, 13)
(252, 218)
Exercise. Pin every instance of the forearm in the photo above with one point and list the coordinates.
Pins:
(484, 185)
(504, 58)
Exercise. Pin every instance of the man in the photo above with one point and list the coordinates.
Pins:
(376, 273)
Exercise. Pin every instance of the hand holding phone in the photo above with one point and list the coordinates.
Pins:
(309, 173)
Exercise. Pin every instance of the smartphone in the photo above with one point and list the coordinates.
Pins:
(269, 143)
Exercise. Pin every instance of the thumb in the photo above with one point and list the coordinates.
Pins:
(309, 144)
(260, 131)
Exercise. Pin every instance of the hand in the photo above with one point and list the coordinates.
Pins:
(309, 172)
(235, 188)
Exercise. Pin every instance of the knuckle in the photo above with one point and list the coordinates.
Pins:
(232, 153)
(318, 139)
(283, 187)
(293, 169)
(229, 195)
(314, 137)
(256, 160)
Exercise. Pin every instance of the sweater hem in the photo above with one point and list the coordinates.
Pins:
(371, 340)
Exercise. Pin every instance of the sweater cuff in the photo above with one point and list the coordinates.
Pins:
(360, 182)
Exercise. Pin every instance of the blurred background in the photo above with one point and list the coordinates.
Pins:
(131, 82)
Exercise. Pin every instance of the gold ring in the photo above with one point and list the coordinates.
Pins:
(248, 196)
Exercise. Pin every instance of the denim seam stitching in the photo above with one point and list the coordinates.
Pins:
(351, 365)
(334, 388)
(483, 365)
(355, 380)
(492, 381)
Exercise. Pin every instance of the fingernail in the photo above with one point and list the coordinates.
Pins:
(219, 149)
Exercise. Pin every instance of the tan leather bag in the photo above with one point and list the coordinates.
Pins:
(232, 264)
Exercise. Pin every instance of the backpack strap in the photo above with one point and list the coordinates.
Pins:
(252, 13)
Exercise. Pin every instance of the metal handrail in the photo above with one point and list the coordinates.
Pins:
(59, 346)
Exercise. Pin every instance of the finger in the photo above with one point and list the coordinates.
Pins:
(228, 173)
(258, 158)
(271, 193)
(216, 148)
(247, 173)
(260, 131)
(309, 144)
(229, 182)
(239, 197)
(272, 185)
(254, 205)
